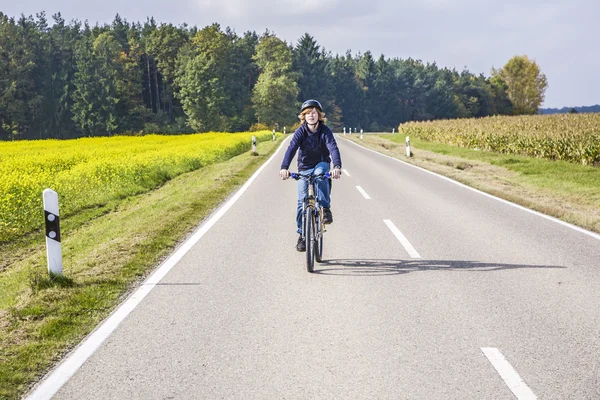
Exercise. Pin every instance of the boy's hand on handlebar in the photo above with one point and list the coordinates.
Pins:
(284, 174)
(336, 173)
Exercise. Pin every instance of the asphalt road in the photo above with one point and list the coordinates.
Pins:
(428, 290)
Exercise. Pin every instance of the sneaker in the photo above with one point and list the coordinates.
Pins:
(301, 245)
(327, 217)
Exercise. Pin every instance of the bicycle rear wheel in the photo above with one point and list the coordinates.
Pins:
(309, 235)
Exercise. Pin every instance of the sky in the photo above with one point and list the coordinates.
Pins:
(560, 35)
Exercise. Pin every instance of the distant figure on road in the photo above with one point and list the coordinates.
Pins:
(317, 147)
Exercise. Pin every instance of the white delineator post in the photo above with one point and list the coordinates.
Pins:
(393, 129)
(273, 134)
(407, 147)
(284, 130)
(344, 130)
(254, 144)
(53, 246)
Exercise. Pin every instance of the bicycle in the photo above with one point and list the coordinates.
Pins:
(312, 220)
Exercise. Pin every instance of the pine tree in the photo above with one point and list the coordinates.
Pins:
(86, 107)
(311, 64)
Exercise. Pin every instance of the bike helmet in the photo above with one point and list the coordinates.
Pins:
(311, 103)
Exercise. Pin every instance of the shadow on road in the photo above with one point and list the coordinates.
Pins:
(396, 267)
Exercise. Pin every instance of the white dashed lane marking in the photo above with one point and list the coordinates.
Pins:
(402, 239)
(362, 191)
(508, 374)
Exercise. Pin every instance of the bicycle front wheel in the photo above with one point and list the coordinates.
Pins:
(309, 235)
(318, 238)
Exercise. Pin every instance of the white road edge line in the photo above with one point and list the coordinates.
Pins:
(362, 191)
(346, 172)
(402, 239)
(508, 374)
(539, 214)
(69, 366)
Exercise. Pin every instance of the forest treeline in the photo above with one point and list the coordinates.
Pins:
(63, 79)
(571, 110)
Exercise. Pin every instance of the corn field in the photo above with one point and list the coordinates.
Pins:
(92, 171)
(570, 137)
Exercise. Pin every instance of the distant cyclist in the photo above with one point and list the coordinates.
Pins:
(317, 146)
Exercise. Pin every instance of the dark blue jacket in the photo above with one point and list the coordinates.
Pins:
(313, 148)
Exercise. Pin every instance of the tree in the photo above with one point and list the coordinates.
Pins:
(347, 91)
(61, 71)
(22, 78)
(365, 74)
(502, 104)
(418, 81)
(108, 52)
(383, 97)
(205, 77)
(131, 110)
(276, 92)
(151, 95)
(404, 82)
(85, 93)
(442, 98)
(119, 30)
(243, 76)
(12, 71)
(95, 97)
(525, 83)
(475, 95)
(311, 64)
(164, 44)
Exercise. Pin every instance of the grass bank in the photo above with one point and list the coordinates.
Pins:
(107, 250)
(564, 190)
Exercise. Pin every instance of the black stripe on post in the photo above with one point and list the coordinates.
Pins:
(52, 226)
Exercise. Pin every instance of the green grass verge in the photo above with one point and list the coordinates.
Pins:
(567, 191)
(107, 252)
(561, 176)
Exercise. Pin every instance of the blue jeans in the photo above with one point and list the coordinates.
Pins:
(322, 186)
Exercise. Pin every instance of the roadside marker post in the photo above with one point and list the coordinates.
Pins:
(254, 144)
(273, 134)
(407, 147)
(52, 220)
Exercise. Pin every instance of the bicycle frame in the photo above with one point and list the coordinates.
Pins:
(311, 201)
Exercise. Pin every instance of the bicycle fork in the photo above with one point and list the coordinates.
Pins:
(312, 206)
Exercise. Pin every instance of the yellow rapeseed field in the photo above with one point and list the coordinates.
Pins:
(570, 137)
(91, 171)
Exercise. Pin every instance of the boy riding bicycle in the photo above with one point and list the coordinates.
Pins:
(316, 146)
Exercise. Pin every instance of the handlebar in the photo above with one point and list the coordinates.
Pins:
(297, 176)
